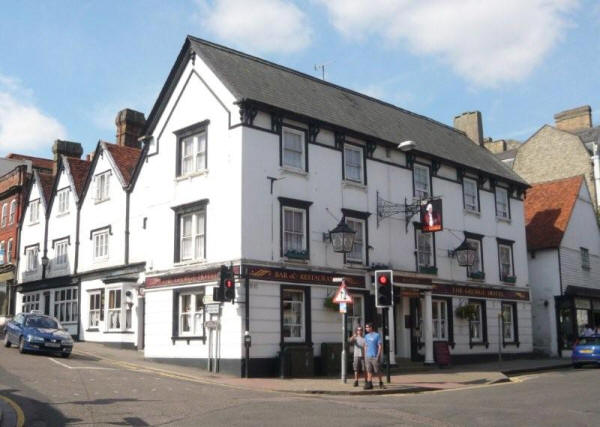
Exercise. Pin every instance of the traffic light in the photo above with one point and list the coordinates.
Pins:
(384, 288)
(227, 283)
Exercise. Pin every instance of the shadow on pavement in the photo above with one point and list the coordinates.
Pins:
(37, 412)
(103, 401)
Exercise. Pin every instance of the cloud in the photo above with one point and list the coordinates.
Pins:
(263, 26)
(486, 42)
(23, 127)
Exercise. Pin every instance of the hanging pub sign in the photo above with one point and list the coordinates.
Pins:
(431, 216)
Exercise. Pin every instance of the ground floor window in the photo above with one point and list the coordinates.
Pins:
(478, 324)
(65, 305)
(30, 302)
(355, 313)
(293, 321)
(440, 320)
(191, 313)
(114, 309)
(95, 309)
(4, 299)
(509, 323)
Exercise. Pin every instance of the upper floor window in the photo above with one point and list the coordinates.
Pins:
(31, 255)
(100, 244)
(470, 195)
(192, 153)
(4, 214)
(293, 148)
(192, 235)
(34, 211)
(585, 258)
(505, 258)
(2, 251)
(294, 228)
(502, 203)
(358, 249)
(353, 163)
(102, 186)
(425, 253)
(9, 251)
(476, 270)
(13, 212)
(63, 200)
(421, 181)
(60, 253)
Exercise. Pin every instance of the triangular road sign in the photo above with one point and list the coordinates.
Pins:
(342, 295)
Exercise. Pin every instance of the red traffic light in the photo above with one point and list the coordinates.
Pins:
(229, 283)
(383, 279)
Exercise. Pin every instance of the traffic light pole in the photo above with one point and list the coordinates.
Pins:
(344, 368)
(386, 344)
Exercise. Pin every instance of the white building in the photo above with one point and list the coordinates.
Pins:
(251, 164)
(563, 240)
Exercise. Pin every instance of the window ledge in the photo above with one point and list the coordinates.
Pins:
(346, 183)
(92, 330)
(118, 332)
(33, 223)
(509, 343)
(479, 343)
(30, 273)
(293, 170)
(188, 339)
(97, 202)
(295, 260)
(472, 212)
(189, 262)
(191, 175)
(503, 219)
(61, 214)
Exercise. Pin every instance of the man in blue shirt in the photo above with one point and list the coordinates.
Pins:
(373, 350)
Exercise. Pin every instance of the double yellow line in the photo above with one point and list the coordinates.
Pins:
(17, 409)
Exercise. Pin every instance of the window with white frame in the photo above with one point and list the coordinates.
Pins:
(4, 214)
(353, 163)
(9, 251)
(30, 302)
(505, 258)
(294, 228)
(440, 319)
(293, 146)
(34, 211)
(60, 253)
(31, 255)
(357, 255)
(585, 258)
(114, 309)
(95, 311)
(355, 313)
(476, 323)
(502, 207)
(508, 322)
(102, 181)
(425, 255)
(12, 213)
(65, 305)
(192, 152)
(470, 195)
(191, 313)
(2, 252)
(100, 244)
(421, 181)
(192, 235)
(293, 315)
(63, 200)
(477, 267)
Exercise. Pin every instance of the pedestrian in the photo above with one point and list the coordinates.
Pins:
(588, 331)
(373, 351)
(358, 344)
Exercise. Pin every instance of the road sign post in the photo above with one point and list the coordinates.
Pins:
(342, 297)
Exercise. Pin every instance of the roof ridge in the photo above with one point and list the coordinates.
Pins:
(315, 79)
(556, 180)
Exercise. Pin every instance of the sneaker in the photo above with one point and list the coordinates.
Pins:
(368, 386)
(355, 384)
(381, 386)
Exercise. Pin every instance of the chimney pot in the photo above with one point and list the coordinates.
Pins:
(130, 124)
(65, 148)
(574, 119)
(470, 124)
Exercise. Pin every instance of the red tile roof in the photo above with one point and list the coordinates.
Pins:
(36, 162)
(126, 159)
(548, 208)
(46, 182)
(79, 171)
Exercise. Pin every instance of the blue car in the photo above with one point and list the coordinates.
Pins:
(586, 350)
(38, 333)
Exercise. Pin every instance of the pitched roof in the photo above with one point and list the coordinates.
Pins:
(79, 171)
(251, 78)
(548, 208)
(36, 162)
(126, 159)
(46, 182)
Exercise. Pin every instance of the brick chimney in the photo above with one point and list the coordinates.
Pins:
(574, 119)
(130, 124)
(65, 148)
(470, 124)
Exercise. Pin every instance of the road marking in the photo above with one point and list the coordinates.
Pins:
(64, 365)
(17, 409)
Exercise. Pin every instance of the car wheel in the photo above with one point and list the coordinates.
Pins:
(65, 355)
(21, 345)
(577, 365)
(6, 340)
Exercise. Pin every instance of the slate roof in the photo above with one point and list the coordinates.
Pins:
(508, 154)
(589, 135)
(252, 78)
(79, 171)
(126, 159)
(548, 208)
(36, 162)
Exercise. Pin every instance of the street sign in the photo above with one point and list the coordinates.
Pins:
(212, 308)
(211, 324)
(343, 307)
(342, 295)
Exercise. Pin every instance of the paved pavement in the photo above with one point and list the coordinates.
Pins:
(414, 379)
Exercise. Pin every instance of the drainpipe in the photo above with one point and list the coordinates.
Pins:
(247, 320)
(596, 164)
(127, 194)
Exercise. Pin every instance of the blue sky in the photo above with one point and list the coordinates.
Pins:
(67, 67)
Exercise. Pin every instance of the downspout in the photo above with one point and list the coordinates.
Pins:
(75, 267)
(45, 246)
(127, 194)
(560, 281)
(247, 320)
(596, 165)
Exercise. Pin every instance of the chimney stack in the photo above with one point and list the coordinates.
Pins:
(65, 148)
(470, 124)
(130, 124)
(574, 119)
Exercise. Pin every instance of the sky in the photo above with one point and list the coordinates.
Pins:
(68, 66)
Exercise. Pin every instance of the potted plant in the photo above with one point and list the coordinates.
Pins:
(480, 275)
(292, 253)
(509, 279)
(466, 311)
(329, 304)
(428, 269)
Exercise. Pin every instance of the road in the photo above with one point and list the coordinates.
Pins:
(83, 390)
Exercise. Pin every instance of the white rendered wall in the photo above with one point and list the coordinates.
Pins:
(31, 234)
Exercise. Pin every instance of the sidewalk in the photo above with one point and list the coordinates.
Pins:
(425, 379)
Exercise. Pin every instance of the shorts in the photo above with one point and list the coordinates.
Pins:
(359, 364)
(372, 365)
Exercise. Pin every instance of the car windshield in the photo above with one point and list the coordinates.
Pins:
(589, 341)
(42, 322)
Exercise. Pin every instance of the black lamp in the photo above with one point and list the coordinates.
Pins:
(465, 254)
(342, 237)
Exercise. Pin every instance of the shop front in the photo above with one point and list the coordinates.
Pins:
(577, 308)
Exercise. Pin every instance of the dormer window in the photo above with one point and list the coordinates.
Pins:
(63, 200)
(102, 186)
(34, 211)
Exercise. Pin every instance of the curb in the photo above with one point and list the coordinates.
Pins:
(514, 372)
(406, 390)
